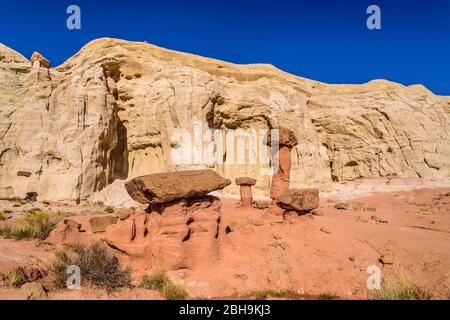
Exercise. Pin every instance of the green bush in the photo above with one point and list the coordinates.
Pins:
(97, 265)
(400, 290)
(35, 225)
(156, 281)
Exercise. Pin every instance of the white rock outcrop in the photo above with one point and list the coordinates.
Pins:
(109, 113)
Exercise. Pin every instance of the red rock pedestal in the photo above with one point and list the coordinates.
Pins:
(280, 180)
(246, 196)
(172, 235)
(246, 191)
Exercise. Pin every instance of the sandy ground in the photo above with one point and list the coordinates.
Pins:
(404, 233)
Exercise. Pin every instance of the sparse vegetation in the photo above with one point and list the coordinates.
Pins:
(328, 296)
(264, 294)
(174, 292)
(261, 295)
(400, 290)
(110, 209)
(6, 232)
(17, 277)
(2, 216)
(156, 281)
(13, 199)
(97, 265)
(35, 225)
(159, 281)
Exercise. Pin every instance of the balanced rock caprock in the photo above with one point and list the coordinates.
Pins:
(171, 186)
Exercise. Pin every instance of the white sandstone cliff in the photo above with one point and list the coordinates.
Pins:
(108, 114)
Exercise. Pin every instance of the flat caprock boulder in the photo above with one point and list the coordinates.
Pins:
(172, 186)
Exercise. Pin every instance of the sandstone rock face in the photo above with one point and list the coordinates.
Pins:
(60, 126)
(108, 114)
(171, 186)
(299, 200)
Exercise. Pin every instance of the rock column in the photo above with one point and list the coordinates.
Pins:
(280, 180)
(246, 191)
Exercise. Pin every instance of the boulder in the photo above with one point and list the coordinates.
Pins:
(262, 204)
(172, 186)
(299, 200)
(32, 291)
(99, 224)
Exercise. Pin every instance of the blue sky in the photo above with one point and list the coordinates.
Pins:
(317, 39)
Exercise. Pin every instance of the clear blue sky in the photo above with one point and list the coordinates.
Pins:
(317, 39)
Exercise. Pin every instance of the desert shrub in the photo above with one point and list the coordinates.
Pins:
(41, 223)
(156, 281)
(35, 225)
(110, 209)
(16, 277)
(328, 296)
(159, 281)
(5, 232)
(13, 199)
(16, 233)
(261, 295)
(399, 290)
(174, 292)
(264, 294)
(97, 266)
(2, 216)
